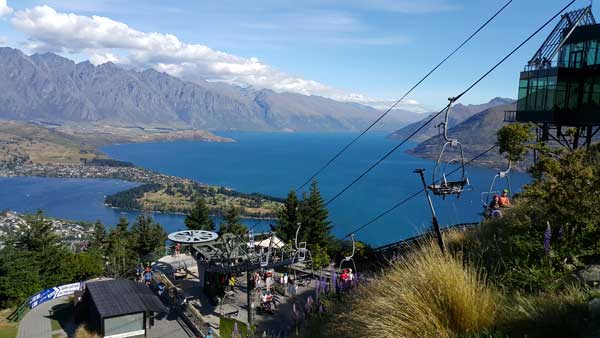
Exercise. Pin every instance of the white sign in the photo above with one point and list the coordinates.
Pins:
(53, 293)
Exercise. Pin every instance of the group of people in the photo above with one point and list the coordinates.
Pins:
(498, 203)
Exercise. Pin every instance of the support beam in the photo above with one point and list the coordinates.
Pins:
(436, 225)
(251, 299)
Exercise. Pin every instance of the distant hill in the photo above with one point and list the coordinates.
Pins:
(458, 114)
(477, 133)
(53, 89)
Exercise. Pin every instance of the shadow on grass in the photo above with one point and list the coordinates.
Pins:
(62, 317)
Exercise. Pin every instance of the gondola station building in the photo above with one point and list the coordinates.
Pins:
(118, 308)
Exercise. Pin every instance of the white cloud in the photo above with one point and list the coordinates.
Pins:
(4, 9)
(103, 39)
(99, 37)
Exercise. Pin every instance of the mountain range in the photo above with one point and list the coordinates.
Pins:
(53, 89)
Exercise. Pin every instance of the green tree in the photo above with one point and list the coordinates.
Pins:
(147, 237)
(513, 139)
(85, 265)
(315, 219)
(199, 218)
(39, 236)
(44, 244)
(120, 260)
(98, 239)
(19, 276)
(232, 223)
(564, 194)
(288, 218)
(320, 257)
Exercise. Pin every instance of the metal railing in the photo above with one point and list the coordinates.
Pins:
(510, 116)
(174, 297)
(413, 240)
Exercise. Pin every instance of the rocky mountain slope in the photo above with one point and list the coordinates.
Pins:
(51, 88)
(458, 114)
(477, 133)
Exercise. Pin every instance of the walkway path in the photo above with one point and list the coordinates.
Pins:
(169, 326)
(36, 323)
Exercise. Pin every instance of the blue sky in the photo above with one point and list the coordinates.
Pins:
(376, 48)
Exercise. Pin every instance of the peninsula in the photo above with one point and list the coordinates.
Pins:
(71, 151)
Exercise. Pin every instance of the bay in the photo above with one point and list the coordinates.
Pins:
(80, 200)
(275, 163)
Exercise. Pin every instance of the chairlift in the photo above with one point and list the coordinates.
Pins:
(301, 250)
(446, 185)
(350, 258)
(486, 197)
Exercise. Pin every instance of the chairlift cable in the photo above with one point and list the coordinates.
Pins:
(386, 156)
(341, 151)
(451, 101)
(373, 220)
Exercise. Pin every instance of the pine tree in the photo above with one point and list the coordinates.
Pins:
(315, 219)
(39, 236)
(147, 236)
(288, 218)
(98, 240)
(232, 223)
(198, 218)
(120, 259)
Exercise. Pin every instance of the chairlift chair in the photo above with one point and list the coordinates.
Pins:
(350, 258)
(487, 196)
(447, 186)
(301, 249)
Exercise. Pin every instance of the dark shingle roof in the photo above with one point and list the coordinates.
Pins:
(120, 297)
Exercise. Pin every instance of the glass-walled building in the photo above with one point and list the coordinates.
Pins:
(565, 90)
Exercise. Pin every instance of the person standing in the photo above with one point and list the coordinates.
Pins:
(148, 275)
(285, 283)
(232, 283)
(177, 249)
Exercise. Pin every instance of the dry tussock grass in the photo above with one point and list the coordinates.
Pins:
(83, 332)
(425, 294)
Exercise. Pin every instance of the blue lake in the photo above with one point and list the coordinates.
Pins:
(270, 163)
(274, 163)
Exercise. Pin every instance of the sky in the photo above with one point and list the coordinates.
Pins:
(362, 51)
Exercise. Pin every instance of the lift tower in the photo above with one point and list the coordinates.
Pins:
(559, 89)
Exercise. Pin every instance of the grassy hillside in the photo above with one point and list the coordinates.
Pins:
(72, 143)
(530, 273)
(29, 142)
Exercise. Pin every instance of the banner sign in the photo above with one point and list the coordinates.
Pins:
(53, 293)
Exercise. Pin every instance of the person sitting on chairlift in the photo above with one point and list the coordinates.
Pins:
(345, 276)
(495, 206)
(504, 199)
